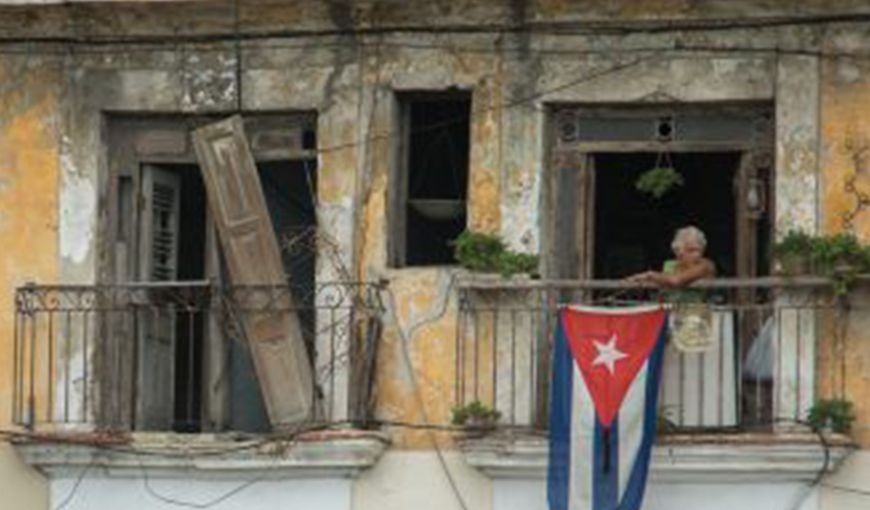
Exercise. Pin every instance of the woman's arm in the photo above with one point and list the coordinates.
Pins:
(681, 278)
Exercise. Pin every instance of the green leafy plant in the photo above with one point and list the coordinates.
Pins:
(837, 252)
(475, 414)
(795, 252)
(478, 251)
(834, 414)
(840, 257)
(512, 262)
(487, 253)
(658, 181)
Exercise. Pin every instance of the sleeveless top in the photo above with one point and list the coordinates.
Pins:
(681, 295)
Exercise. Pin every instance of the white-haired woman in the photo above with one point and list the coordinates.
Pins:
(690, 264)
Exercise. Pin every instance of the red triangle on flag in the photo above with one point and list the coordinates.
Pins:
(610, 346)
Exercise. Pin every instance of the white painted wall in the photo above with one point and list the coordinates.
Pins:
(403, 480)
(21, 487)
(398, 481)
(526, 494)
(100, 491)
(838, 491)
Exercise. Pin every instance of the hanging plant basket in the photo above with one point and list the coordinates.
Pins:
(658, 181)
(661, 178)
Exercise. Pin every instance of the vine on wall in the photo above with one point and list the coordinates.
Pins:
(858, 153)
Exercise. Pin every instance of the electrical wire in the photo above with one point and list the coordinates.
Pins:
(841, 488)
(572, 27)
(389, 134)
(818, 479)
(405, 338)
(451, 46)
(146, 483)
(71, 495)
(530, 98)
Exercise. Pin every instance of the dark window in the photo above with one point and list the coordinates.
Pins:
(432, 177)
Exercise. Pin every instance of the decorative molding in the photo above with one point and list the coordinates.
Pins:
(766, 458)
(341, 455)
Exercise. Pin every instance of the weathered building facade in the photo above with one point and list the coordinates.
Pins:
(380, 130)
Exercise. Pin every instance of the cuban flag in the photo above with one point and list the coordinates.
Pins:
(606, 372)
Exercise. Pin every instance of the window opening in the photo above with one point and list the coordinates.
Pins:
(436, 127)
(630, 239)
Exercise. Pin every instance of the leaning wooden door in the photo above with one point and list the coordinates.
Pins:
(253, 257)
(155, 321)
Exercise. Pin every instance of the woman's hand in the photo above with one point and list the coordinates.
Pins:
(644, 277)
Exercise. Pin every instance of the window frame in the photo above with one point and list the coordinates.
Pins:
(134, 141)
(400, 171)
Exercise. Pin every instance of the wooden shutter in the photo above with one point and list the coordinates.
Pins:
(236, 201)
(155, 323)
(573, 214)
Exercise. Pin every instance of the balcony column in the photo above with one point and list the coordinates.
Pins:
(797, 183)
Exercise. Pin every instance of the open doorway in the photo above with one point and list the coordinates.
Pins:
(633, 230)
(603, 227)
(175, 246)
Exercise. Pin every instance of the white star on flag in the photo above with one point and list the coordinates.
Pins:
(608, 354)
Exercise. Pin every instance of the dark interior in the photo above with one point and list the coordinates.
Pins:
(437, 169)
(633, 230)
(289, 188)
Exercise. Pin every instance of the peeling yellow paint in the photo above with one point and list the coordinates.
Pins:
(845, 129)
(28, 199)
(426, 314)
(484, 208)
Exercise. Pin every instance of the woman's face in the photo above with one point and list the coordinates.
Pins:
(690, 252)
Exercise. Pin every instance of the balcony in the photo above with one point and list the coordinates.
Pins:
(734, 413)
(174, 356)
(761, 374)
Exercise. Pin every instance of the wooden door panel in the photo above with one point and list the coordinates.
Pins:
(253, 257)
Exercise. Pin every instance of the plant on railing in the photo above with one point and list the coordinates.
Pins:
(841, 257)
(487, 253)
(834, 414)
(794, 252)
(474, 415)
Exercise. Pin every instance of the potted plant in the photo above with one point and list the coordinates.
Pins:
(841, 257)
(475, 417)
(835, 415)
(478, 251)
(511, 263)
(794, 253)
(487, 253)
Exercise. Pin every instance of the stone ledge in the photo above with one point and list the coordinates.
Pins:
(744, 459)
(339, 454)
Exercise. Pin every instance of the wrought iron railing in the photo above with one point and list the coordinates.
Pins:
(760, 371)
(158, 356)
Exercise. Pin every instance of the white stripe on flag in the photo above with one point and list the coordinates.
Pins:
(630, 420)
(582, 444)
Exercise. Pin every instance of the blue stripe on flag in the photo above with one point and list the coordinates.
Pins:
(633, 496)
(561, 388)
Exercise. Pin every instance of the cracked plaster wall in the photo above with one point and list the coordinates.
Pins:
(29, 172)
(29, 169)
(845, 164)
(348, 82)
